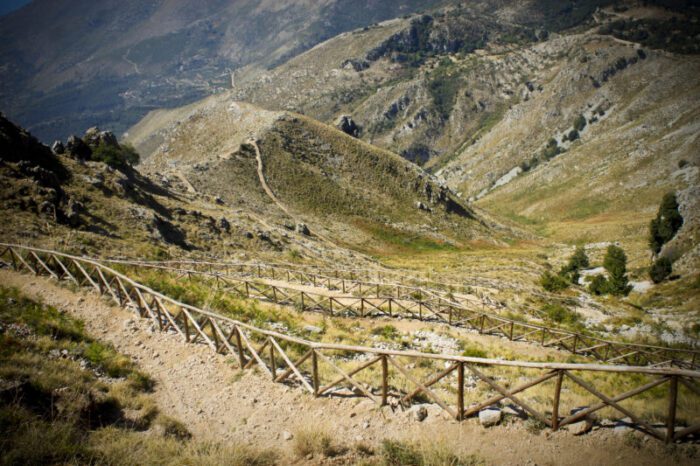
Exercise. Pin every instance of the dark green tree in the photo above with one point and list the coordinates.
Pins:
(615, 263)
(661, 269)
(666, 224)
(577, 262)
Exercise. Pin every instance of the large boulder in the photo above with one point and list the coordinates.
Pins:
(347, 125)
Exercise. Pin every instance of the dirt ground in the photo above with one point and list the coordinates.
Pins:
(216, 401)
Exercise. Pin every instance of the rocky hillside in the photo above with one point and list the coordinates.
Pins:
(578, 132)
(70, 64)
(292, 169)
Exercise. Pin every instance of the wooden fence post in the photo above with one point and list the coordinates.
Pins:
(555, 405)
(460, 391)
(273, 365)
(239, 345)
(314, 371)
(385, 380)
(671, 419)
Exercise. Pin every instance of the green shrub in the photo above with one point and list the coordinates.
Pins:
(661, 269)
(551, 150)
(598, 285)
(559, 314)
(579, 123)
(553, 283)
(119, 156)
(388, 331)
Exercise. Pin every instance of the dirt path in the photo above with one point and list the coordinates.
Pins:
(263, 181)
(216, 401)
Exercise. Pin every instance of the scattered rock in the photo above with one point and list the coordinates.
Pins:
(302, 228)
(287, 435)
(313, 329)
(347, 125)
(489, 417)
(581, 427)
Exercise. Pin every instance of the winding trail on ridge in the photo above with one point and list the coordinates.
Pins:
(278, 203)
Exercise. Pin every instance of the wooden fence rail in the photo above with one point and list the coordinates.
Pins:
(322, 368)
(415, 303)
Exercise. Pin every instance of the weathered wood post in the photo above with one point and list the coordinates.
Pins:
(314, 371)
(385, 380)
(555, 404)
(672, 399)
(239, 346)
(460, 391)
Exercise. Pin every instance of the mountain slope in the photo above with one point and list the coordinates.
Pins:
(70, 64)
(341, 187)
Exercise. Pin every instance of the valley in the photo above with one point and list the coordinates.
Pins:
(426, 233)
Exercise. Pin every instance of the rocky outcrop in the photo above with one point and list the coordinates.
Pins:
(94, 138)
(347, 125)
(77, 148)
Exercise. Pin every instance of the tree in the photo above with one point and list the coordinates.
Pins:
(661, 269)
(615, 263)
(577, 262)
(666, 224)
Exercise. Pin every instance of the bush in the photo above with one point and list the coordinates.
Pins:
(559, 314)
(577, 262)
(552, 149)
(387, 331)
(579, 123)
(666, 224)
(598, 285)
(661, 269)
(573, 135)
(553, 283)
(119, 156)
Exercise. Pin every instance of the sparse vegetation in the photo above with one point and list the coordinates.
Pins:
(56, 409)
(560, 314)
(399, 453)
(552, 282)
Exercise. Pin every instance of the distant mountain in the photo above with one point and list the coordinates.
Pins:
(9, 6)
(70, 64)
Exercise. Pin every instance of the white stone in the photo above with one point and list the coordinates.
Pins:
(489, 417)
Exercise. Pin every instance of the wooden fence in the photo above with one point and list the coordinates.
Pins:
(322, 368)
(391, 300)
